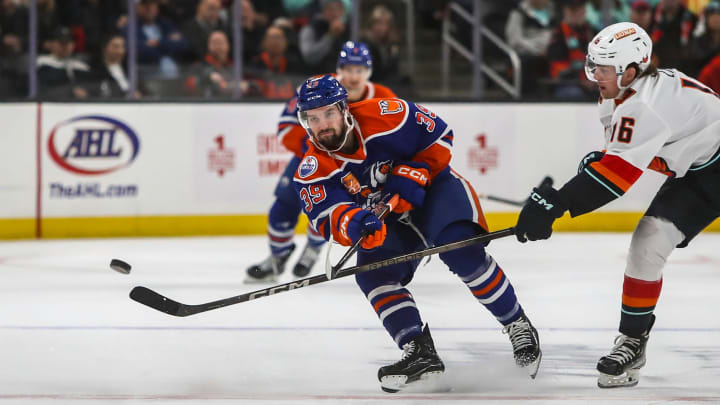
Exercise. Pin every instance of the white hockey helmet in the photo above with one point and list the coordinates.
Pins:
(619, 45)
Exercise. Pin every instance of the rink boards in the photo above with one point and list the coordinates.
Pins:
(125, 169)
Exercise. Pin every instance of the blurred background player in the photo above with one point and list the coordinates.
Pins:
(364, 152)
(354, 67)
(659, 119)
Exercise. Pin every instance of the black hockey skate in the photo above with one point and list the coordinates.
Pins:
(268, 270)
(307, 260)
(621, 368)
(526, 344)
(419, 362)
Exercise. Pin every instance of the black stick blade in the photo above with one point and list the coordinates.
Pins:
(154, 300)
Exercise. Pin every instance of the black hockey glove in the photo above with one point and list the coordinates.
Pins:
(543, 207)
(593, 156)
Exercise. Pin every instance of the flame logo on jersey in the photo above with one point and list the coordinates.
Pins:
(390, 107)
(351, 183)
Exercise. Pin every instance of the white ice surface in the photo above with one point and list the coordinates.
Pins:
(69, 333)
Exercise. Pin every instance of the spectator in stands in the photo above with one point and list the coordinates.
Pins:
(641, 14)
(91, 21)
(253, 30)
(13, 45)
(671, 31)
(178, 11)
(274, 64)
(383, 40)
(619, 12)
(207, 19)
(706, 46)
(159, 43)
(13, 28)
(323, 36)
(60, 74)
(215, 77)
(301, 10)
(528, 31)
(710, 75)
(267, 11)
(567, 53)
(47, 22)
(109, 75)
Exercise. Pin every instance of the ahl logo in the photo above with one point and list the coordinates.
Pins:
(483, 157)
(308, 166)
(93, 144)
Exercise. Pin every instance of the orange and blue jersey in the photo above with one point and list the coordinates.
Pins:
(294, 137)
(387, 130)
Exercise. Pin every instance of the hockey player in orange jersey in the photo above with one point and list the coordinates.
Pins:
(354, 68)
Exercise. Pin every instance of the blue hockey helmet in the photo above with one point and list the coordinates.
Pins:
(354, 53)
(321, 91)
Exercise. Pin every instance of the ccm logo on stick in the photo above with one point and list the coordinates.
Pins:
(280, 288)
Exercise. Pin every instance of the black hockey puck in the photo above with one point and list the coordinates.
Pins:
(120, 266)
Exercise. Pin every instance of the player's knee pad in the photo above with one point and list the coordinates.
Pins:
(283, 216)
(466, 260)
(652, 242)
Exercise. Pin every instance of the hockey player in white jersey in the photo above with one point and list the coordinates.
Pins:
(657, 119)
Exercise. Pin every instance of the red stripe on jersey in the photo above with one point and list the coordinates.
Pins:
(618, 171)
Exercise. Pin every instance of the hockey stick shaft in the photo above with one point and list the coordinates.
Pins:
(161, 303)
(547, 181)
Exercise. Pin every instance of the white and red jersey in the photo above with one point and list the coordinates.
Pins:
(667, 122)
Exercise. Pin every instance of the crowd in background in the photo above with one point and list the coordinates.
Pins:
(184, 47)
(551, 38)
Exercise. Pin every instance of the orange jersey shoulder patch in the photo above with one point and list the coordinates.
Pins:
(380, 116)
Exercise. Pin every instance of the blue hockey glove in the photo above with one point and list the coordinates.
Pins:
(543, 207)
(408, 179)
(357, 223)
(593, 156)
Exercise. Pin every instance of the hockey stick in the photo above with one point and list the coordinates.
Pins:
(161, 303)
(547, 181)
(330, 270)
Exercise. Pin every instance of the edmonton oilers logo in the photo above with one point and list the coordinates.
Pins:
(308, 166)
(93, 144)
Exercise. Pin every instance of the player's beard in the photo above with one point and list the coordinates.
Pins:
(333, 141)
